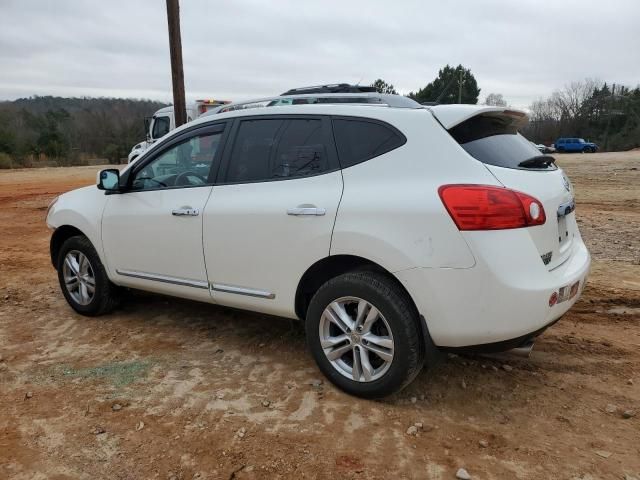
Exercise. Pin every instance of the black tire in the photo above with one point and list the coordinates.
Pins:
(400, 314)
(106, 296)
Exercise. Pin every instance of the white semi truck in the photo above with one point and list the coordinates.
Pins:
(164, 120)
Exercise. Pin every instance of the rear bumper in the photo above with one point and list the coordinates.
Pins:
(503, 299)
(503, 345)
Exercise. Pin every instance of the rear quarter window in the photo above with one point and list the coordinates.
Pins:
(493, 139)
(359, 140)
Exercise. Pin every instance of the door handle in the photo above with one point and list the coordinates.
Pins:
(311, 211)
(185, 212)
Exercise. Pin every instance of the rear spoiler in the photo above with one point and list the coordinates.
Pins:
(451, 115)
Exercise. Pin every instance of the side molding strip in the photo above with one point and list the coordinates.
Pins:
(218, 287)
(164, 279)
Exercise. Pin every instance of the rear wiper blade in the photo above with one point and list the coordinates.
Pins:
(539, 161)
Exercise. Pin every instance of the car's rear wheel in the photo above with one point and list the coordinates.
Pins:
(364, 334)
(83, 278)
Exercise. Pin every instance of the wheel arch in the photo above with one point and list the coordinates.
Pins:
(332, 266)
(60, 235)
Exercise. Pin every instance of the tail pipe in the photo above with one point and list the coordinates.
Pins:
(522, 351)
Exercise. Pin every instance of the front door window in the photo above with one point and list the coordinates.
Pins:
(186, 164)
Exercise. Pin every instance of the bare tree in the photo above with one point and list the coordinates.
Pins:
(570, 99)
(566, 112)
(495, 100)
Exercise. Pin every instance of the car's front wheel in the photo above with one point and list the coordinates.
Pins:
(364, 334)
(83, 278)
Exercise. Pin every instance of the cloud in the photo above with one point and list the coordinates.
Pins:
(247, 48)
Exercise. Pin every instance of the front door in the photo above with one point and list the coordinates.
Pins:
(271, 215)
(152, 233)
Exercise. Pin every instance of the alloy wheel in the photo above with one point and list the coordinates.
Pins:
(356, 339)
(79, 278)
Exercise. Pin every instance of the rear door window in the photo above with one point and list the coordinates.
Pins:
(359, 140)
(276, 149)
(493, 139)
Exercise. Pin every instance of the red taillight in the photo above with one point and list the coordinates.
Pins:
(484, 207)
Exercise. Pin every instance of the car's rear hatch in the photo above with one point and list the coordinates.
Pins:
(490, 135)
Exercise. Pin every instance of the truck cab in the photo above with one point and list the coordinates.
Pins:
(163, 121)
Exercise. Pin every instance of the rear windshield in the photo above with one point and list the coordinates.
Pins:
(494, 140)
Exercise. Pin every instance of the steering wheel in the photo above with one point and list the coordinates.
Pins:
(183, 178)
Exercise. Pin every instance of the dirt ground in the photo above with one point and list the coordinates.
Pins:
(171, 389)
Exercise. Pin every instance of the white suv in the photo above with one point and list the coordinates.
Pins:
(393, 230)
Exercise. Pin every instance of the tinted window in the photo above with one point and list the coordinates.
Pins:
(494, 140)
(271, 149)
(160, 127)
(361, 140)
(185, 164)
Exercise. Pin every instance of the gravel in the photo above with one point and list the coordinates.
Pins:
(462, 474)
(610, 408)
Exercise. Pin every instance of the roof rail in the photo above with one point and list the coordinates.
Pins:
(365, 98)
(330, 88)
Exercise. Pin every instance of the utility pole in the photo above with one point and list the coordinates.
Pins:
(177, 73)
(460, 86)
(606, 132)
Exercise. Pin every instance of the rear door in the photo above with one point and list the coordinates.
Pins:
(576, 146)
(272, 211)
(493, 139)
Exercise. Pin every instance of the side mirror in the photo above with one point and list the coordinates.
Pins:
(109, 180)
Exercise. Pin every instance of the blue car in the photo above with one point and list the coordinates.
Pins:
(575, 145)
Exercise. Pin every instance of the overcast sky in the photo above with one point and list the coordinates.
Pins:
(238, 49)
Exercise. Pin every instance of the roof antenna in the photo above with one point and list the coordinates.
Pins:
(358, 84)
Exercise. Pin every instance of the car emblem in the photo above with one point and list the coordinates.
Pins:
(567, 183)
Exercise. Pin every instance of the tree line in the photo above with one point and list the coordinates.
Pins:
(607, 114)
(67, 130)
